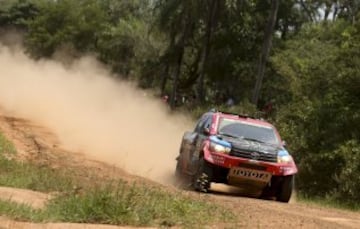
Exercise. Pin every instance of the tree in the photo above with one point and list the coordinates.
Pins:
(320, 116)
(210, 26)
(15, 14)
(178, 19)
(265, 50)
(66, 22)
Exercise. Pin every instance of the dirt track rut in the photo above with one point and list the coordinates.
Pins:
(37, 143)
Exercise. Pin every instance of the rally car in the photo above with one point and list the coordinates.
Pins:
(237, 150)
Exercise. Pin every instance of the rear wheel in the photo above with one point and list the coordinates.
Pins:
(182, 180)
(178, 168)
(203, 176)
(285, 189)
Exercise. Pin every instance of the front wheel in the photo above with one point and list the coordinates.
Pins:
(285, 189)
(203, 176)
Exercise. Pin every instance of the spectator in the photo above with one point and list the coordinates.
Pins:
(230, 102)
(165, 99)
(268, 107)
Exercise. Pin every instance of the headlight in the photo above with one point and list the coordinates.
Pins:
(219, 148)
(284, 159)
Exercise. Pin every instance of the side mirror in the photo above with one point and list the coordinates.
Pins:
(283, 143)
(206, 130)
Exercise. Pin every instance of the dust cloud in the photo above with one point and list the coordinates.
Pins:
(92, 112)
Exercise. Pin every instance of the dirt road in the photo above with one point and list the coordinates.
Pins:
(37, 143)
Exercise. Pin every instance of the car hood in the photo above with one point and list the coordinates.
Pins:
(251, 146)
(248, 145)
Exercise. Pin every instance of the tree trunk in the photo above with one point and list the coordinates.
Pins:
(187, 27)
(177, 74)
(164, 79)
(265, 50)
(206, 51)
(308, 12)
(284, 30)
(336, 11)
(181, 47)
(193, 75)
(166, 74)
(327, 10)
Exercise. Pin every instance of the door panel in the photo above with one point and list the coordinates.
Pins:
(192, 144)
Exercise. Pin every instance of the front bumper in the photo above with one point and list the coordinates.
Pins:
(227, 161)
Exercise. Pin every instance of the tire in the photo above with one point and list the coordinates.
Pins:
(203, 176)
(285, 189)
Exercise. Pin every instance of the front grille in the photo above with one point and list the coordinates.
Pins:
(269, 157)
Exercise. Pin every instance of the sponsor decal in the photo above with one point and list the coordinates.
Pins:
(250, 174)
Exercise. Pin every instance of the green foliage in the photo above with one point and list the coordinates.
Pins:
(15, 13)
(138, 205)
(312, 78)
(6, 147)
(123, 204)
(30, 176)
(118, 204)
(77, 23)
(16, 211)
(26, 175)
(321, 114)
(347, 177)
(127, 46)
(327, 202)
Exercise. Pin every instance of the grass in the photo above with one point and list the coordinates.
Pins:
(122, 204)
(117, 203)
(328, 202)
(17, 211)
(136, 205)
(28, 175)
(6, 147)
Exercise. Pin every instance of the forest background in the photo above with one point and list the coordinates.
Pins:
(296, 62)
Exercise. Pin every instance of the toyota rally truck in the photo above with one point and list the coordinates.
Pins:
(237, 150)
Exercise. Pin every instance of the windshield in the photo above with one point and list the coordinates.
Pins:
(239, 129)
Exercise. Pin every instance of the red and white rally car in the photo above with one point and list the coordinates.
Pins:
(237, 150)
